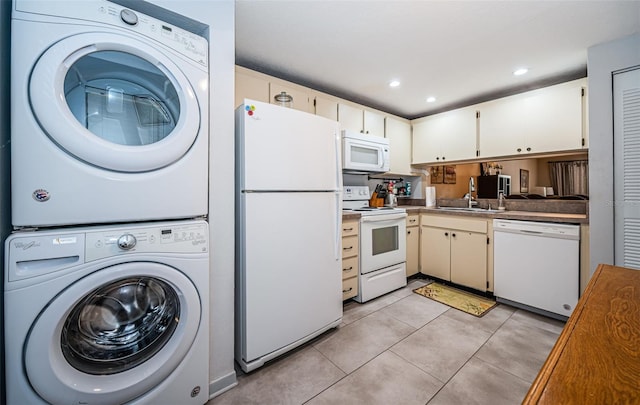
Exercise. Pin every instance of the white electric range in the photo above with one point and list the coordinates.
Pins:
(383, 244)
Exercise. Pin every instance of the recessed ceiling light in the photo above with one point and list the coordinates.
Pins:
(431, 99)
(520, 72)
(394, 83)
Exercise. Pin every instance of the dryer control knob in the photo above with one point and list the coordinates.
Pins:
(129, 17)
(127, 241)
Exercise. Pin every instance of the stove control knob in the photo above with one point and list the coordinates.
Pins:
(127, 241)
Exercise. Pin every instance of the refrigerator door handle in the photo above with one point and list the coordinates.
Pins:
(338, 227)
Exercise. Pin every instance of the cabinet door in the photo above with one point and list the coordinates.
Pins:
(300, 97)
(413, 250)
(250, 87)
(373, 123)
(501, 132)
(426, 144)
(435, 257)
(350, 118)
(469, 259)
(399, 135)
(326, 108)
(449, 136)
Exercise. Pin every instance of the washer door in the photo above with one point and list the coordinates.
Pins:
(114, 102)
(113, 335)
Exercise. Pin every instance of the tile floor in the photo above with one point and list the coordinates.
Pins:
(402, 348)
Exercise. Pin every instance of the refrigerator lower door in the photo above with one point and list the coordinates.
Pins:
(290, 271)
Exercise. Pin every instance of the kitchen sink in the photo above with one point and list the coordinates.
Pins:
(467, 209)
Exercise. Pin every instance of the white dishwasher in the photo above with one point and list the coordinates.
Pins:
(537, 265)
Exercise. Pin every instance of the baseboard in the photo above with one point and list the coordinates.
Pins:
(222, 384)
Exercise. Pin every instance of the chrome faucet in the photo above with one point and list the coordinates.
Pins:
(472, 188)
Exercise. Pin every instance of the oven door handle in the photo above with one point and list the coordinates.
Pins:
(380, 218)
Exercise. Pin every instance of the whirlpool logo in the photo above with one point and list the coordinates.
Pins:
(26, 245)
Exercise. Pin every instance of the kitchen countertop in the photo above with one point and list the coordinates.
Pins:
(557, 217)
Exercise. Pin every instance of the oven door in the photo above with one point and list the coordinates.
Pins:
(383, 241)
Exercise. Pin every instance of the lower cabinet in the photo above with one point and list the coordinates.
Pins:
(413, 244)
(350, 250)
(454, 249)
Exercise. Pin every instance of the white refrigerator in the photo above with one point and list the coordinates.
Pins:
(288, 230)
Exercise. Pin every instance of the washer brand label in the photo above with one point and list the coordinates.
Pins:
(41, 195)
(26, 245)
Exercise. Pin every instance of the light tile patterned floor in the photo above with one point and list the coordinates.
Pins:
(405, 349)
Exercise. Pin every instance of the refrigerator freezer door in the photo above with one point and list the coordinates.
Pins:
(290, 268)
(285, 149)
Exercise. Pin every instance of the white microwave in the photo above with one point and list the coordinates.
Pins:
(364, 153)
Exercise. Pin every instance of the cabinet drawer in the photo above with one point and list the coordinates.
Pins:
(350, 246)
(350, 228)
(349, 267)
(454, 222)
(349, 288)
(413, 220)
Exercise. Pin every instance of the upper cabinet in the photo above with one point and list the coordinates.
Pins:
(399, 134)
(326, 107)
(249, 86)
(550, 119)
(445, 137)
(360, 120)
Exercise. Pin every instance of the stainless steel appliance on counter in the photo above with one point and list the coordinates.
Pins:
(491, 186)
(383, 244)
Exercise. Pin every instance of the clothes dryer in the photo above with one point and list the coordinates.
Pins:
(109, 113)
(108, 315)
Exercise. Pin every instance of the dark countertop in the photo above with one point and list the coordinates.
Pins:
(556, 217)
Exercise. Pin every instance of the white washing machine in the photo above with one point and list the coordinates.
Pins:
(108, 315)
(109, 112)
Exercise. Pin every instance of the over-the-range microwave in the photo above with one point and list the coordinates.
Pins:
(362, 153)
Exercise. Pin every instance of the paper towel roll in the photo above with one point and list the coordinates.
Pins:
(430, 196)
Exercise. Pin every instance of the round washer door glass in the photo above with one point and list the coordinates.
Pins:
(120, 325)
(113, 335)
(115, 102)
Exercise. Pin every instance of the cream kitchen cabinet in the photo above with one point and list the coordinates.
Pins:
(399, 134)
(301, 98)
(413, 244)
(454, 249)
(446, 137)
(325, 107)
(551, 119)
(357, 119)
(250, 86)
(350, 251)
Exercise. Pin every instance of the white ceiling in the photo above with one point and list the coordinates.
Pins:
(461, 52)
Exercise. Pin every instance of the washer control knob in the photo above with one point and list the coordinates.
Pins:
(129, 17)
(127, 241)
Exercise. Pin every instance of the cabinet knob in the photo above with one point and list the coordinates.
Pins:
(453, 234)
(446, 234)
(348, 269)
(528, 149)
(347, 229)
(347, 290)
(408, 232)
(519, 150)
(437, 157)
(348, 248)
(443, 158)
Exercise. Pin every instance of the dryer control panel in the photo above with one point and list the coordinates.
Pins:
(187, 43)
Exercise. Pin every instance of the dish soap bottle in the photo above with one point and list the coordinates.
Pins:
(501, 201)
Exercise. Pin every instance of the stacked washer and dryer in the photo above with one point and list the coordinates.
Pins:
(106, 278)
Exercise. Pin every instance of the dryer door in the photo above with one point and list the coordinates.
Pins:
(114, 102)
(114, 335)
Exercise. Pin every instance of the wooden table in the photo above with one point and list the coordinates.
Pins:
(596, 359)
